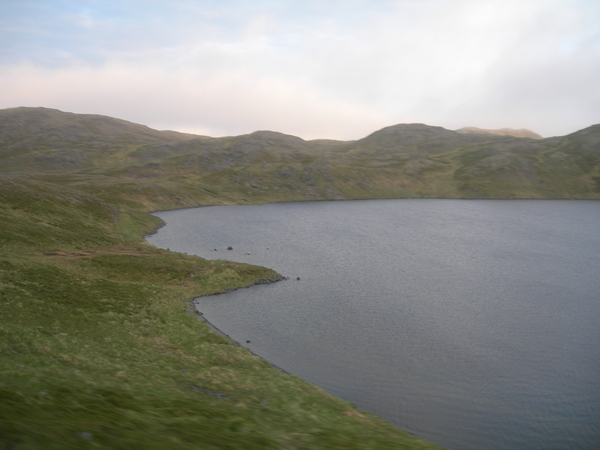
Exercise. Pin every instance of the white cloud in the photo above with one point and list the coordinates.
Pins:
(337, 69)
(224, 103)
(446, 62)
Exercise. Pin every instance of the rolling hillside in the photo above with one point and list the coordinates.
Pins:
(99, 345)
(502, 132)
(406, 160)
(98, 348)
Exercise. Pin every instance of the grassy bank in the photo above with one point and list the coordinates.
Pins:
(98, 348)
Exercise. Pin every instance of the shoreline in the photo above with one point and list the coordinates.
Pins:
(191, 309)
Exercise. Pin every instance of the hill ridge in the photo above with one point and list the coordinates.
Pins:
(402, 160)
(519, 133)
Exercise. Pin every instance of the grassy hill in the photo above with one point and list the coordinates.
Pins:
(521, 133)
(98, 346)
(108, 157)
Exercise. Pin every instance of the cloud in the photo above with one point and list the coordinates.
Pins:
(214, 103)
(338, 69)
(458, 63)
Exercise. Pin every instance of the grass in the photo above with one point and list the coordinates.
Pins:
(98, 345)
(99, 348)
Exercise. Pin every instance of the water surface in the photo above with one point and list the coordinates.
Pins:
(474, 324)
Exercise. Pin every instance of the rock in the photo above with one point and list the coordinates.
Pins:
(85, 435)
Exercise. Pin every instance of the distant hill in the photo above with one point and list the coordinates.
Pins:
(51, 139)
(51, 127)
(115, 158)
(521, 133)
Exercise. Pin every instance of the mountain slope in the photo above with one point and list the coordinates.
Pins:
(520, 133)
(43, 138)
(94, 328)
(99, 348)
(404, 160)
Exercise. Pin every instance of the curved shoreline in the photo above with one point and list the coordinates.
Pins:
(200, 316)
(191, 308)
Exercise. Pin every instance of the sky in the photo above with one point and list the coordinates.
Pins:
(336, 69)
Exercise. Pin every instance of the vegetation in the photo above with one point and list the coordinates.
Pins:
(132, 165)
(99, 347)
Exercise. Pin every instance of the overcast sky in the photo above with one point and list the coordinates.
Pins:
(337, 69)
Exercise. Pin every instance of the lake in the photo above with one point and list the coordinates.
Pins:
(472, 323)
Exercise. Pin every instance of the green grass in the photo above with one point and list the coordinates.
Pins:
(99, 347)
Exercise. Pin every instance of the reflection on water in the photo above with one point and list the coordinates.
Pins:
(471, 323)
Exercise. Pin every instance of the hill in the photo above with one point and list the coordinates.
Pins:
(48, 139)
(99, 347)
(168, 169)
(522, 132)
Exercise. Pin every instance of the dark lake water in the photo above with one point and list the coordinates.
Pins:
(472, 323)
